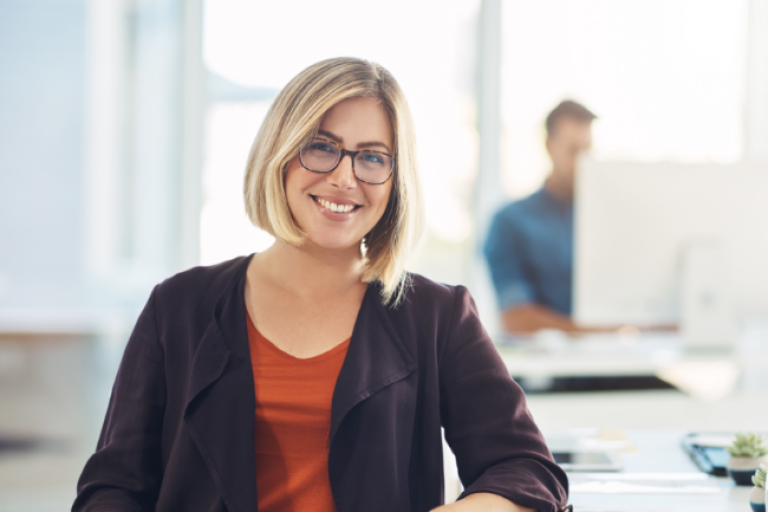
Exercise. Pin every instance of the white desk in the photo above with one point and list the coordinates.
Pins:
(722, 390)
(658, 452)
(707, 374)
(655, 452)
(596, 355)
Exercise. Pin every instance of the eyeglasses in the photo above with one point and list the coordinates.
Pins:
(323, 156)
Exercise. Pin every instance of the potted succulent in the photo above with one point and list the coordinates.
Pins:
(748, 451)
(758, 494)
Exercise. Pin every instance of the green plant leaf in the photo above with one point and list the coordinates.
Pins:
(748, 445)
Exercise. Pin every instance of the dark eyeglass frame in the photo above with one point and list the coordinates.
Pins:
(352, 155)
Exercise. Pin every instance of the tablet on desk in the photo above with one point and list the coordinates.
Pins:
(587, 461)
(707, 450)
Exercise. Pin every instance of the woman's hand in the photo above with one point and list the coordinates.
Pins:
(483, 502)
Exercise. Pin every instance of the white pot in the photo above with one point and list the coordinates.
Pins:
(765, 497)
(746, 463)
(757, 495)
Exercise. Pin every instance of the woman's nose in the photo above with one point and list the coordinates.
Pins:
(343, 176)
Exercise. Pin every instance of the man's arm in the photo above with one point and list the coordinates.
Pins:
(526, 319)
(529, 318)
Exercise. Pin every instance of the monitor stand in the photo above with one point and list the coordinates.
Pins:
(706, 310)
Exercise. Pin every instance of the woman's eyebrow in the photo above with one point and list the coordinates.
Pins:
(338, 139)
(331, 136)
(373, 144)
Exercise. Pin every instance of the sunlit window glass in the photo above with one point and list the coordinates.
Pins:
(666, 79)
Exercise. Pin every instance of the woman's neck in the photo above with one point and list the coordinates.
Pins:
(309, 271)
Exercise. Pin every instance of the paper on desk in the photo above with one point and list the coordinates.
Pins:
(672, 478)
(636, 487)
(590, 439)
(609, 439)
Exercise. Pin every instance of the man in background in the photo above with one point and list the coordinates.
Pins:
(530, 244)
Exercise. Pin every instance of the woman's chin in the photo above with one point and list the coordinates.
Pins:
(333, 243)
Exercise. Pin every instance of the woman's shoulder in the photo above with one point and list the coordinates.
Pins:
(424, 296)
(202, 284)
(421, 286)
(431, 311)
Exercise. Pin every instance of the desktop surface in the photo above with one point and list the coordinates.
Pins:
(658, 476)
(717, 390)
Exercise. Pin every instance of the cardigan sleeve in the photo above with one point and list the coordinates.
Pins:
(126, 471)
(487, 424)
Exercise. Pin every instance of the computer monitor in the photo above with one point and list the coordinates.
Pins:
(670, 243)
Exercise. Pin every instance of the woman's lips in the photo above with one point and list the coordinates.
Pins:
(336, 209)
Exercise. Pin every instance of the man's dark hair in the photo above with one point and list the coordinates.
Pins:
(568, 108)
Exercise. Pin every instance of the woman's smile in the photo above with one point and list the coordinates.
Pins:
(337, 209)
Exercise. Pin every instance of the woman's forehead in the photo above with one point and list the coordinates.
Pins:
(357, 120)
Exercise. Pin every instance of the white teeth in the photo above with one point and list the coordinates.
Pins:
(338, 208)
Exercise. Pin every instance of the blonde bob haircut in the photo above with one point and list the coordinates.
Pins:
(292, 121)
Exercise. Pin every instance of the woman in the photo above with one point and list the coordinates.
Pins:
(318, 372)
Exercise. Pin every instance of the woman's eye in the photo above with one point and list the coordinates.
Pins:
(321, 146)
(373, 158)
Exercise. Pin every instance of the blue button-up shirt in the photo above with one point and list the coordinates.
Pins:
(530, 252)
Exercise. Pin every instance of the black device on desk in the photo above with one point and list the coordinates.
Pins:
(707, 450)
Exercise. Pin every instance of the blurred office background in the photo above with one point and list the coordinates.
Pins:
(125, 127)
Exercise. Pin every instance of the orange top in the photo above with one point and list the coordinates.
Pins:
(293, 424)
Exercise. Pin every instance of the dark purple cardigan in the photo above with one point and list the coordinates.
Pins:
(179, 431)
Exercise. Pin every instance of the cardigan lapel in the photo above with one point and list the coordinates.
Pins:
(376, 358)
(220, 409)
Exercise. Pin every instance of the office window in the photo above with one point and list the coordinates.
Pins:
(225, 231)
(665, 78)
